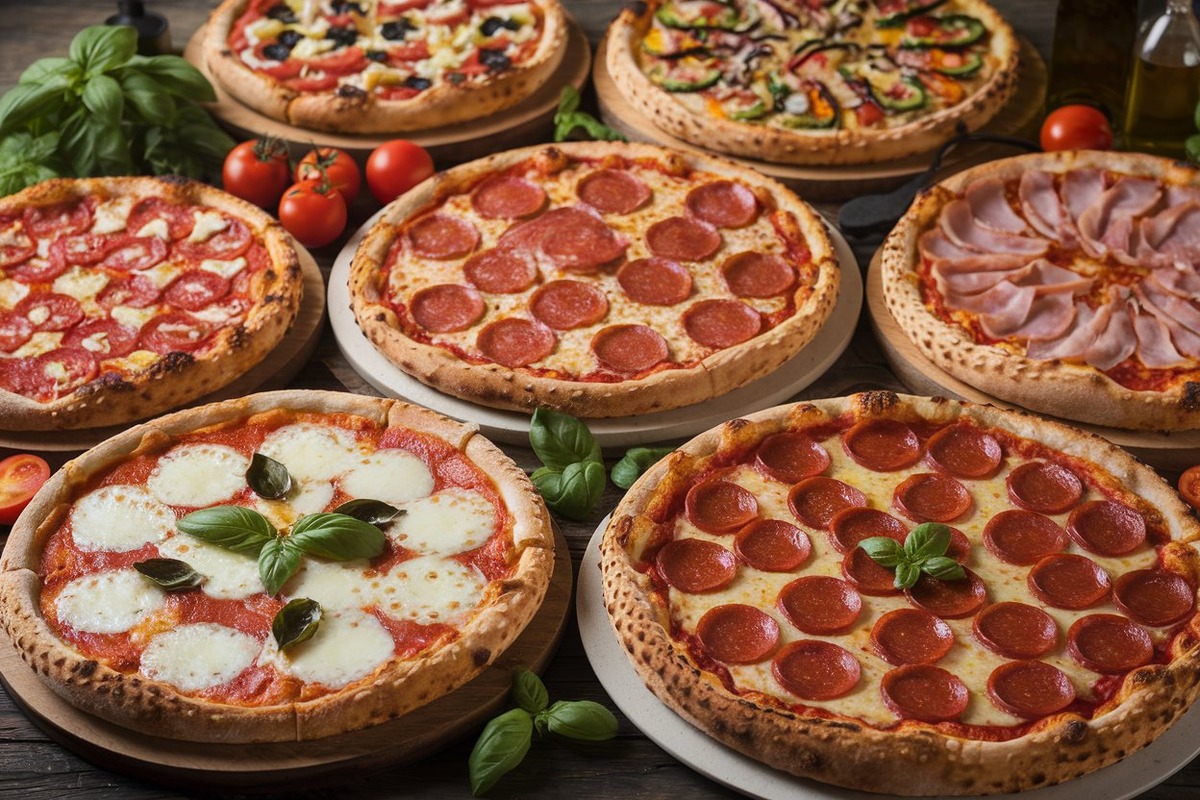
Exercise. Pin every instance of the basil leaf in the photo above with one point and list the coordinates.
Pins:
(171, 574)
(102, 96)
(528, 691)
(177, 77)
(277, 561)
(1192, 147)
(572, 492)
(1196, 117)
(375, 512)
(242, 530)
(27, 101)
(267, 477)
(500, 748)
(581, 719)
(636, 461)
(26, 160)
(927, 540)
(46, 69)
(559, 439)
(100, 48)
(906, 575)
(884, 550)
(296, 622)
(78, 141)
(568, 117)
(112, 149)
(336, 536)
(944, 569)
(568, 100)
(148, 98)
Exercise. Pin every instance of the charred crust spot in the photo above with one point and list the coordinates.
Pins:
(108, 382)
(87, 668)
(1191, 396)
(348, 92)
(172, 362)
(239, 337)
(481, 656)
(177, 180)
(874, 403)
(1074, 732)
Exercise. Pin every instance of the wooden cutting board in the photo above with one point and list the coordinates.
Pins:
(292, 764)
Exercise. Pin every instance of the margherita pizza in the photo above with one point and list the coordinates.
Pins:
(599, 279)
(383, 557)
(847, 82)
(1060, 635)
(1064, 282)
(123, 297)
(377, 66)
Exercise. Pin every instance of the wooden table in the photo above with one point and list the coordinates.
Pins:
(33, 766)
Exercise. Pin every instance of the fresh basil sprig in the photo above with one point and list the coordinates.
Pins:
(568, 117)
(170, 574)
(267, 477)
(507, 738)
(560, 440)
(242, 530)
(296, 622)
(636, 461)
(924, 550)
(375, 512)
(573, 478)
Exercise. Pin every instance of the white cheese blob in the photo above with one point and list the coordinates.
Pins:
(134, 317)
(226, 269)
(80, 283)
(311, 451)
(228, 575)
(156, 227)
(119, 519)
(112, 215)
(451, 521)
(335, 585)
(208, 224)
(199, 656)
(196, 475)
(393, 476)
(348, 646)
(12, 292)
(108, 602)
(430, 589)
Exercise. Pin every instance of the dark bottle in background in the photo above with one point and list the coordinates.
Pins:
(154, 35)
(1091, 55)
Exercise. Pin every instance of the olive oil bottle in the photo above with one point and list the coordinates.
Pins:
(1089, 60)
(1164, 85)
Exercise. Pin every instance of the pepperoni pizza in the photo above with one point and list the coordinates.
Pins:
(601, 279)
(1066, 637)
(462, 556)
(123, 297)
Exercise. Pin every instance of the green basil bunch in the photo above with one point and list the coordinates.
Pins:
(104, 110)
(1192, 145)
(924, 550)
(507, 738)
(568, 117)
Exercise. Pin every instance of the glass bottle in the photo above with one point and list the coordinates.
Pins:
(1089, 60)
(1164, 85)
(154, 35)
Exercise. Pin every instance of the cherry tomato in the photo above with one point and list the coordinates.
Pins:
(1189, 486)
(314, 212)
(395, 167)
(20, 478)
(343, 173)
(257, 171)
(1076, 127)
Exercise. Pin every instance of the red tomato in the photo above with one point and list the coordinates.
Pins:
(395, 167)
(338, 166)
(1076, 127)
(20, 478)
(257, 171)
(1189, 486)
(314, 212)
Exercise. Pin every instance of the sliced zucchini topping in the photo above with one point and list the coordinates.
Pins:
(698, 14)
(894, 12)
(952, 30)
(686, 74)
(811, 106)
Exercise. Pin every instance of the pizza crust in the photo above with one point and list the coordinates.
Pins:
(911, 758)
(156, 708)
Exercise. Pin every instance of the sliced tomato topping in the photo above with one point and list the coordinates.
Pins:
(20, 478)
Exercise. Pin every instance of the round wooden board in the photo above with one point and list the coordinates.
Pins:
(839, 183)
(273, 372)
(1171, 452)
(527, 122)
(292, 764)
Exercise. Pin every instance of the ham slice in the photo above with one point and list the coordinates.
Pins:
(950, 281)
(1178, 195)
(1154, 347)
(1181, 244)
(934, 246)
(1183, 312)
(961, 227)
(1107, 223)
(989, 205)
(1007, 303)
(1080, 188)
(1040, 203)
(1050, 316)
(1183, 283)
(1116, 341)
(1187, 342)
(1049, 278)
(1072, 344)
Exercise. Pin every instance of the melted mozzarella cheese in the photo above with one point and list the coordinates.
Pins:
(40, 342)
(306, 497)
(156, 227)
(163, 273)
(311, 451)
(133, 317)
(393, 476)
(108, 602)
(430, 589)
(112, 215)
(11, 293)
(349, 646)
(451, 521)
(207, 225)
(119, 518)
(199, 656)
(335, 585)
(226, 269)
(198, 475)
(82, 284)
(228, 575)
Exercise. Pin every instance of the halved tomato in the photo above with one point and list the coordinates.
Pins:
(20, 478)
(1189, 486)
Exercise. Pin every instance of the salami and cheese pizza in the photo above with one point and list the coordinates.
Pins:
(123, 297)
(379, 66)
(1065, 283)
(1047, 626)
(280, 567)
(600, 279)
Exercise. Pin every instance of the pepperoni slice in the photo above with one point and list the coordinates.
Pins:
(853, 525)
(1154, 597)
(442, 237)
(738, 634)
(15, 330)
(1109, 644)
(446, 307)
(1016, 630)
(1107, 527)
(180, 219)
(931, 497)
(718, 506)
(583, 243)
(48, 311)
(226, 244)
(883, 445)
(84, 248)
(758, 274)
(655, 281)
(1030, 689)
(63, 370)
(723, 203)
(629, 349)
(772, 545)
(924, 692)
(820, 605)
(816, 501)
(1066, 580)
(911, 636)
(613, 191)
(515, 342)
(951, 599)
(39, 270)
(103, 337)
(960, 546)
(867, 575)
(507, 197)
(791, 457)
(500, 271)
(172, 332)
(682, 239)
(62, 219)
(566, 304)
(1044, 487)
(965, 451)
(721, 323)
(815, 670)
(1023, 537)
(20, 249)
(135, 291)
(134, 252)
(696, 566)
(196, 289)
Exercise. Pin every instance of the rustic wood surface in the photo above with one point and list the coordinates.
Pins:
(33, 766)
